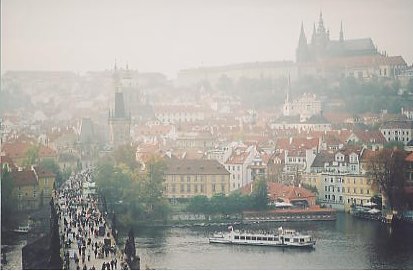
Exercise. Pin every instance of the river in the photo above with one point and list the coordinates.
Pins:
(347, 243)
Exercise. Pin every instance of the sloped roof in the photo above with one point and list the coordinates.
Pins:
(24, 178)
(194, 167)
(321, 158)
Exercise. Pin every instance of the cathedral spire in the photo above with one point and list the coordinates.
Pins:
(303, 40)
(321, 28)
(314, 34)
(341, 32)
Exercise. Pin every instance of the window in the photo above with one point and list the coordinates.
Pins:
(182, 178)
(213, 187)
(173, 188)
(182, 188)
(202, 188)
(196, 188)
(248, 238)
(236, 237)
(188, 188)
(188, 179)
(222, 188)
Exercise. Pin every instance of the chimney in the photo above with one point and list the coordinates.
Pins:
(291, 140)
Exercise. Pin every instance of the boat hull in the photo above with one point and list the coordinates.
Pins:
(269, 244)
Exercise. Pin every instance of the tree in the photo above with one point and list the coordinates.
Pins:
(7, 197)
(387, 170)
(31, 156)
(52, 166)
(259, 195)
(125, 154)
(198, 205)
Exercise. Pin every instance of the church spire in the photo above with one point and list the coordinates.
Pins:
(314, 34)
(341, 32)
(321, 28)
(303, 40)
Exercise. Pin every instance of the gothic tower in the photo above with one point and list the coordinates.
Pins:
(302, 49)
(119, 121)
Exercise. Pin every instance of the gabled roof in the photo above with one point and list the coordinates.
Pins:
(395, 124)
(194, 167)
(42, 172)
(322, 158)
(24, 178)
(368, 137)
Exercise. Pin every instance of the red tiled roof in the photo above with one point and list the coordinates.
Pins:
(370, 136)
(23, 178)
(297, 143)
(278, 190)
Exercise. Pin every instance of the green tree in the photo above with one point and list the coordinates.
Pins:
(31, 156)
(52, 166)
(259, 195)
(125, 154)
(199, 205)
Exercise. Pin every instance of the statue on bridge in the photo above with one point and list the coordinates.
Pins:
(130, 252)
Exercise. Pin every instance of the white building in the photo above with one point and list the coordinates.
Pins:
(395, 130)
(238, 166)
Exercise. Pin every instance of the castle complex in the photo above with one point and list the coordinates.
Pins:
(319, 57)
(321, 46)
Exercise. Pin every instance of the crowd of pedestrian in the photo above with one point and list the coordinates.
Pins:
(87, 243)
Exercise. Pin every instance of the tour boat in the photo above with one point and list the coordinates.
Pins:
(284, 238)
(22, 229)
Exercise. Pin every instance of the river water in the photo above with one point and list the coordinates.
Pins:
(347, 243)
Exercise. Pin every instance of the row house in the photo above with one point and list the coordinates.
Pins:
(153, 131)
(32, 188)
(17, 151)
(369, 139)
(200, 140)
(397, 130)
(238, 166)
(340, 179)
(177, 113)
(189, 178)
(313, 123)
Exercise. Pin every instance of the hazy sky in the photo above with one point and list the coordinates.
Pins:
(169, 35)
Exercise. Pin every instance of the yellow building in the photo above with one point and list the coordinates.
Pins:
(357, 189)
(189, 178)
(46, 181)
(32, 188)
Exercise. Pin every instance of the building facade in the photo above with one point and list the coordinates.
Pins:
(189, 178)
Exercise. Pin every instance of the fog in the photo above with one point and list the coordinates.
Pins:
(167, 36)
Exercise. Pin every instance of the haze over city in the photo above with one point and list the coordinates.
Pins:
(211, 135)
(167, 36)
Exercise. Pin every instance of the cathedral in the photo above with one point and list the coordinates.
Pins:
(322, 47)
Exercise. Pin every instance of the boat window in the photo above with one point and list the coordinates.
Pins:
(302, 240)
(287, 239)
(270, 239)
(236, 237)
(242, 237)
(259, 238)
(276, 239)
(295, 240)
(264, 238)
(254, 238)
(248, 238)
